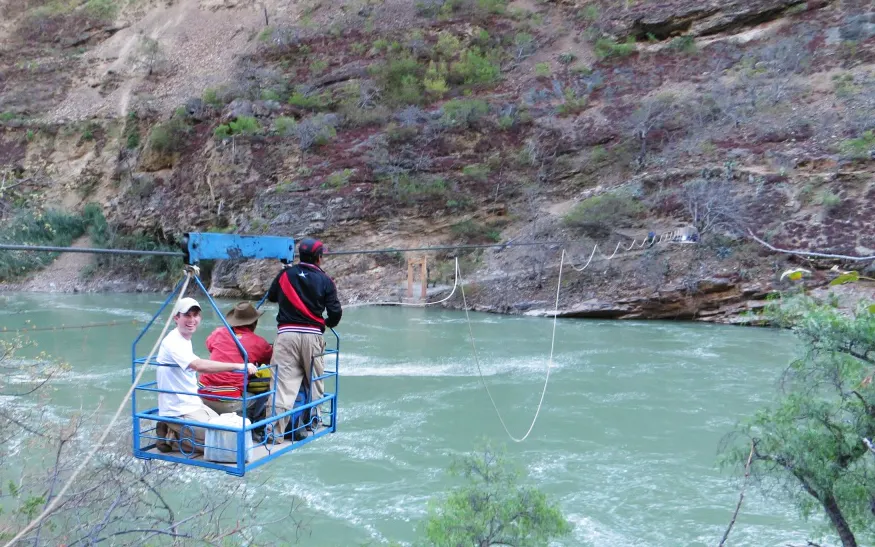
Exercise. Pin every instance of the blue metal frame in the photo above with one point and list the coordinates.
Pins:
(206, 246)
(213, 246)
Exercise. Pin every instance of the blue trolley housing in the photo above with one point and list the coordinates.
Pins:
(230, 446)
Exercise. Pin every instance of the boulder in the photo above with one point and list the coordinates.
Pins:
(857, 28)
(265, 109)
(242, 278)
(666, 19)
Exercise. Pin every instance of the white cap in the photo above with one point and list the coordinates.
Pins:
(185, 304)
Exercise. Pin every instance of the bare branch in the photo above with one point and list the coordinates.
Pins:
(809, 253)
(740, 496)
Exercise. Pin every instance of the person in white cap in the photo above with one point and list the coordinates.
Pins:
(179, 374)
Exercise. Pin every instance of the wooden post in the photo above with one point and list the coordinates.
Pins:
(424, 274)
(409, 278)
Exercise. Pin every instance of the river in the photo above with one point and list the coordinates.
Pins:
(627, 441)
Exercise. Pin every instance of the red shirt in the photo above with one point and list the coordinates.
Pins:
(223, 348)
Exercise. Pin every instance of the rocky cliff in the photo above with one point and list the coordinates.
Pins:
(391, 124)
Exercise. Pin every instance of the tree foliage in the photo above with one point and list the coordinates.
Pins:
(599, 216)
(813, 442)
(492, 508)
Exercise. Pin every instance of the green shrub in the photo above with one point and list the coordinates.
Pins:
(355, 116)
(89, 130)
(399, 76)
(590, 12)
(474, 68)
(318, 66)
(315, 102)
(211, 97)
(105, 10)
(605, 48)
(399, 133)
(469, 231)
(419, 189)
(845, 85)
(542, 70)
(338, 179)
(435, 80)
(477, 171)
(684, 44)
(524, 45)
(448, 45)
(285, 126)
(573, 104)
(462, 113)
(497, 7)
(566, 59)
(861, 147)
(244, 125)
(598, 216)
(829, 201)
(169, 137)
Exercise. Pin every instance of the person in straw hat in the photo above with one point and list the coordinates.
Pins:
(243, 318)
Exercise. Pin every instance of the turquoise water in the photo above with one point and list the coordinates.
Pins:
(627, 440)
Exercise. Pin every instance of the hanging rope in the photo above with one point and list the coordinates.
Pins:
(189, 271)
(549, 362)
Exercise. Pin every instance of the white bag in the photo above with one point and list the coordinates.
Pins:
(221, 446)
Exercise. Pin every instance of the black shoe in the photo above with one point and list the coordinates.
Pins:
(301, 434)
(257, 438)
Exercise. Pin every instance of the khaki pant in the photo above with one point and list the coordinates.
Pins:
(293, 353)
(224, 406)
(184, 438)
(255, 410)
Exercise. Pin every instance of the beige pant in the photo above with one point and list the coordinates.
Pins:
(224, 406)
(293, 353)
(174, 435)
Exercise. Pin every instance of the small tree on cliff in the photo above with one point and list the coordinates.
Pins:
(492, 508)
(815, 442)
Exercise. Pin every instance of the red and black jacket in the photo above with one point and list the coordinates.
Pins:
(304, 292)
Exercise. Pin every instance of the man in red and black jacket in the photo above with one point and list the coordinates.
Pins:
(304, 292)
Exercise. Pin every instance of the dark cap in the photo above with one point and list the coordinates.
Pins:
(310, 246)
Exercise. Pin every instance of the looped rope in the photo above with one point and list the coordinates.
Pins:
(189, 271)
(651, 240)
(549, 362)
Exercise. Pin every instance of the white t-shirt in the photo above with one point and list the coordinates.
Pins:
(176, 350)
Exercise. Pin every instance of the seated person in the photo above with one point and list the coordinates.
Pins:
(243, 318)
(180, 375)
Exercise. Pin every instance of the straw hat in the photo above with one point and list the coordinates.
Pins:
(242, 314)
